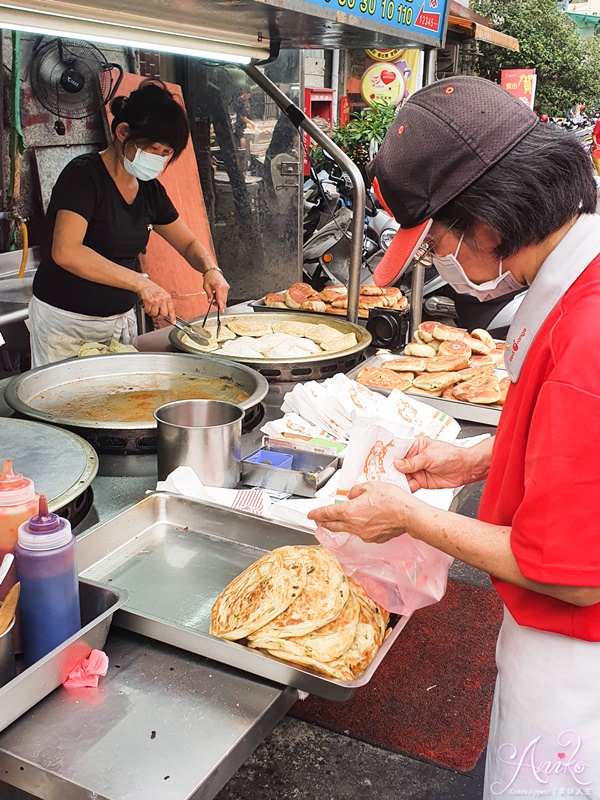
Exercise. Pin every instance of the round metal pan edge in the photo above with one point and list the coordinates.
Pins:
(363, 338)
(73, 369)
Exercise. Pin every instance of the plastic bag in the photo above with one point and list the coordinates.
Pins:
(403, 574)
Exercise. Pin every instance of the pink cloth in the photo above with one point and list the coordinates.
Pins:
(87, 673)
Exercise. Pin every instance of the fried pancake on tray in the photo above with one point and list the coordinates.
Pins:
(454, 349)
(426, 330)
(482, 361)
(355, 660)
(406, 364)
(322, 599)
(425, 393)
(318, 306)
(484, 390)
(323, 644)
(475, 372)
(331, 293)
(380, 617)
(274, 300)
(370, 290)
(299, 293)
(262, 592)
(447, 363)
(477, 347)
(447, 333)
(484, 336)
(202, 348)
(504, 387)
(432, 381)
(382, 378)
(419, 350)
(448, 393)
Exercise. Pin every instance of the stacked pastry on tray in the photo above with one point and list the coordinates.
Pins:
(296, 604)
(443, 361)
(334, 299)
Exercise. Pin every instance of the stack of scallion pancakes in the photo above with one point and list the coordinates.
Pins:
(296, 604)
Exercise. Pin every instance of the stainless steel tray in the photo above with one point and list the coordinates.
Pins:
(174, 556)
(313, 367)
(98, 604)
(485, 415)
(310, 471)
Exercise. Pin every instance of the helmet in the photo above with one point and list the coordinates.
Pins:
(544, 118)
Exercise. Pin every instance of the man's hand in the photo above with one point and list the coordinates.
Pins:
(430, 464)
(216, 286)
(375, 511)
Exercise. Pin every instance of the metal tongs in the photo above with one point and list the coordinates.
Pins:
(207, 332)
(195, 334)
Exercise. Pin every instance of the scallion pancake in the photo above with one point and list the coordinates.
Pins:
(324, 596)
(261, 593)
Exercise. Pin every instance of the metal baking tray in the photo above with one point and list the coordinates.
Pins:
(174, 556)
(309, 471)
(312, 367)
(260, 305)
(485, 415)
(98, 604)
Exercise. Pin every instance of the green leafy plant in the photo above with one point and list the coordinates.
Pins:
(355, 137)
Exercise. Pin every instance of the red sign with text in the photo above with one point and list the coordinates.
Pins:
(520, 83)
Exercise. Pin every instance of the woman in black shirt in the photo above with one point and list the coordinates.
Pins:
(102, 210)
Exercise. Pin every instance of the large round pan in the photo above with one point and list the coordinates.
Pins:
(46, 393)
(317, 366)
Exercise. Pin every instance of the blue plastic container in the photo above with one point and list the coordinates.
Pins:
(45, 558)
(279, 460)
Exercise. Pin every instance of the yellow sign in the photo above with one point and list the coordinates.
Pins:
(384, 55)
(383, 82)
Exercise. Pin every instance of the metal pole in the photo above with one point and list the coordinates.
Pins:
(418, 273)
(300, 120)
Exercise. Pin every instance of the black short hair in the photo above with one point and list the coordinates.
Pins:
(153, 114)
(535, 189)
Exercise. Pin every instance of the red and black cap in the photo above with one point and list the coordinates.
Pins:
(444, 138)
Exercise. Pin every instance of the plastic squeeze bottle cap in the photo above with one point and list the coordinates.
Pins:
(44, 531)
(14, 488)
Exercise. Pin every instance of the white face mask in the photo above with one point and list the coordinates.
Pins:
(145, 166)
(451, 271)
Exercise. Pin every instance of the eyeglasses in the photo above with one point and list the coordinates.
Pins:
(427, 248)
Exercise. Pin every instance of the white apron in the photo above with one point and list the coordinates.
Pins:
(56, 334)
(545, 727)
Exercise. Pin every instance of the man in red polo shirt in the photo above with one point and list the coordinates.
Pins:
(503, 201)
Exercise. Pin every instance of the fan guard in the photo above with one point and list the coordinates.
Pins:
(72, 79)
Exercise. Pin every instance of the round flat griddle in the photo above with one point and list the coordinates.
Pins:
(110, 400)
(312, 367)
(61, 464)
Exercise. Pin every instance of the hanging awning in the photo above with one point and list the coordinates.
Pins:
(470, 29)
(236, 30)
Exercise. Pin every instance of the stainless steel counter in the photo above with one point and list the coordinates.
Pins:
(100, 743)
(163, 723)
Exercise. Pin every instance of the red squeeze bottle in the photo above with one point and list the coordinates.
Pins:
(18, 502)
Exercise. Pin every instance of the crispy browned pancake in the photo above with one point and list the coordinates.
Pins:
(475, 372)
(432, 381)
(484, 390)
(448, 334)
(406, 364)
(454, 349)
(382, 378)
(447, 363)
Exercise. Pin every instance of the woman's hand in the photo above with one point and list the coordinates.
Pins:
(216, 286)
(375, 512)
(430, 464)
(156, 301)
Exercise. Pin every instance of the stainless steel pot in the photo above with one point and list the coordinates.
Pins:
(203, 434)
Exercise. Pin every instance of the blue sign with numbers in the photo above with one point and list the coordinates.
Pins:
(418, 20)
